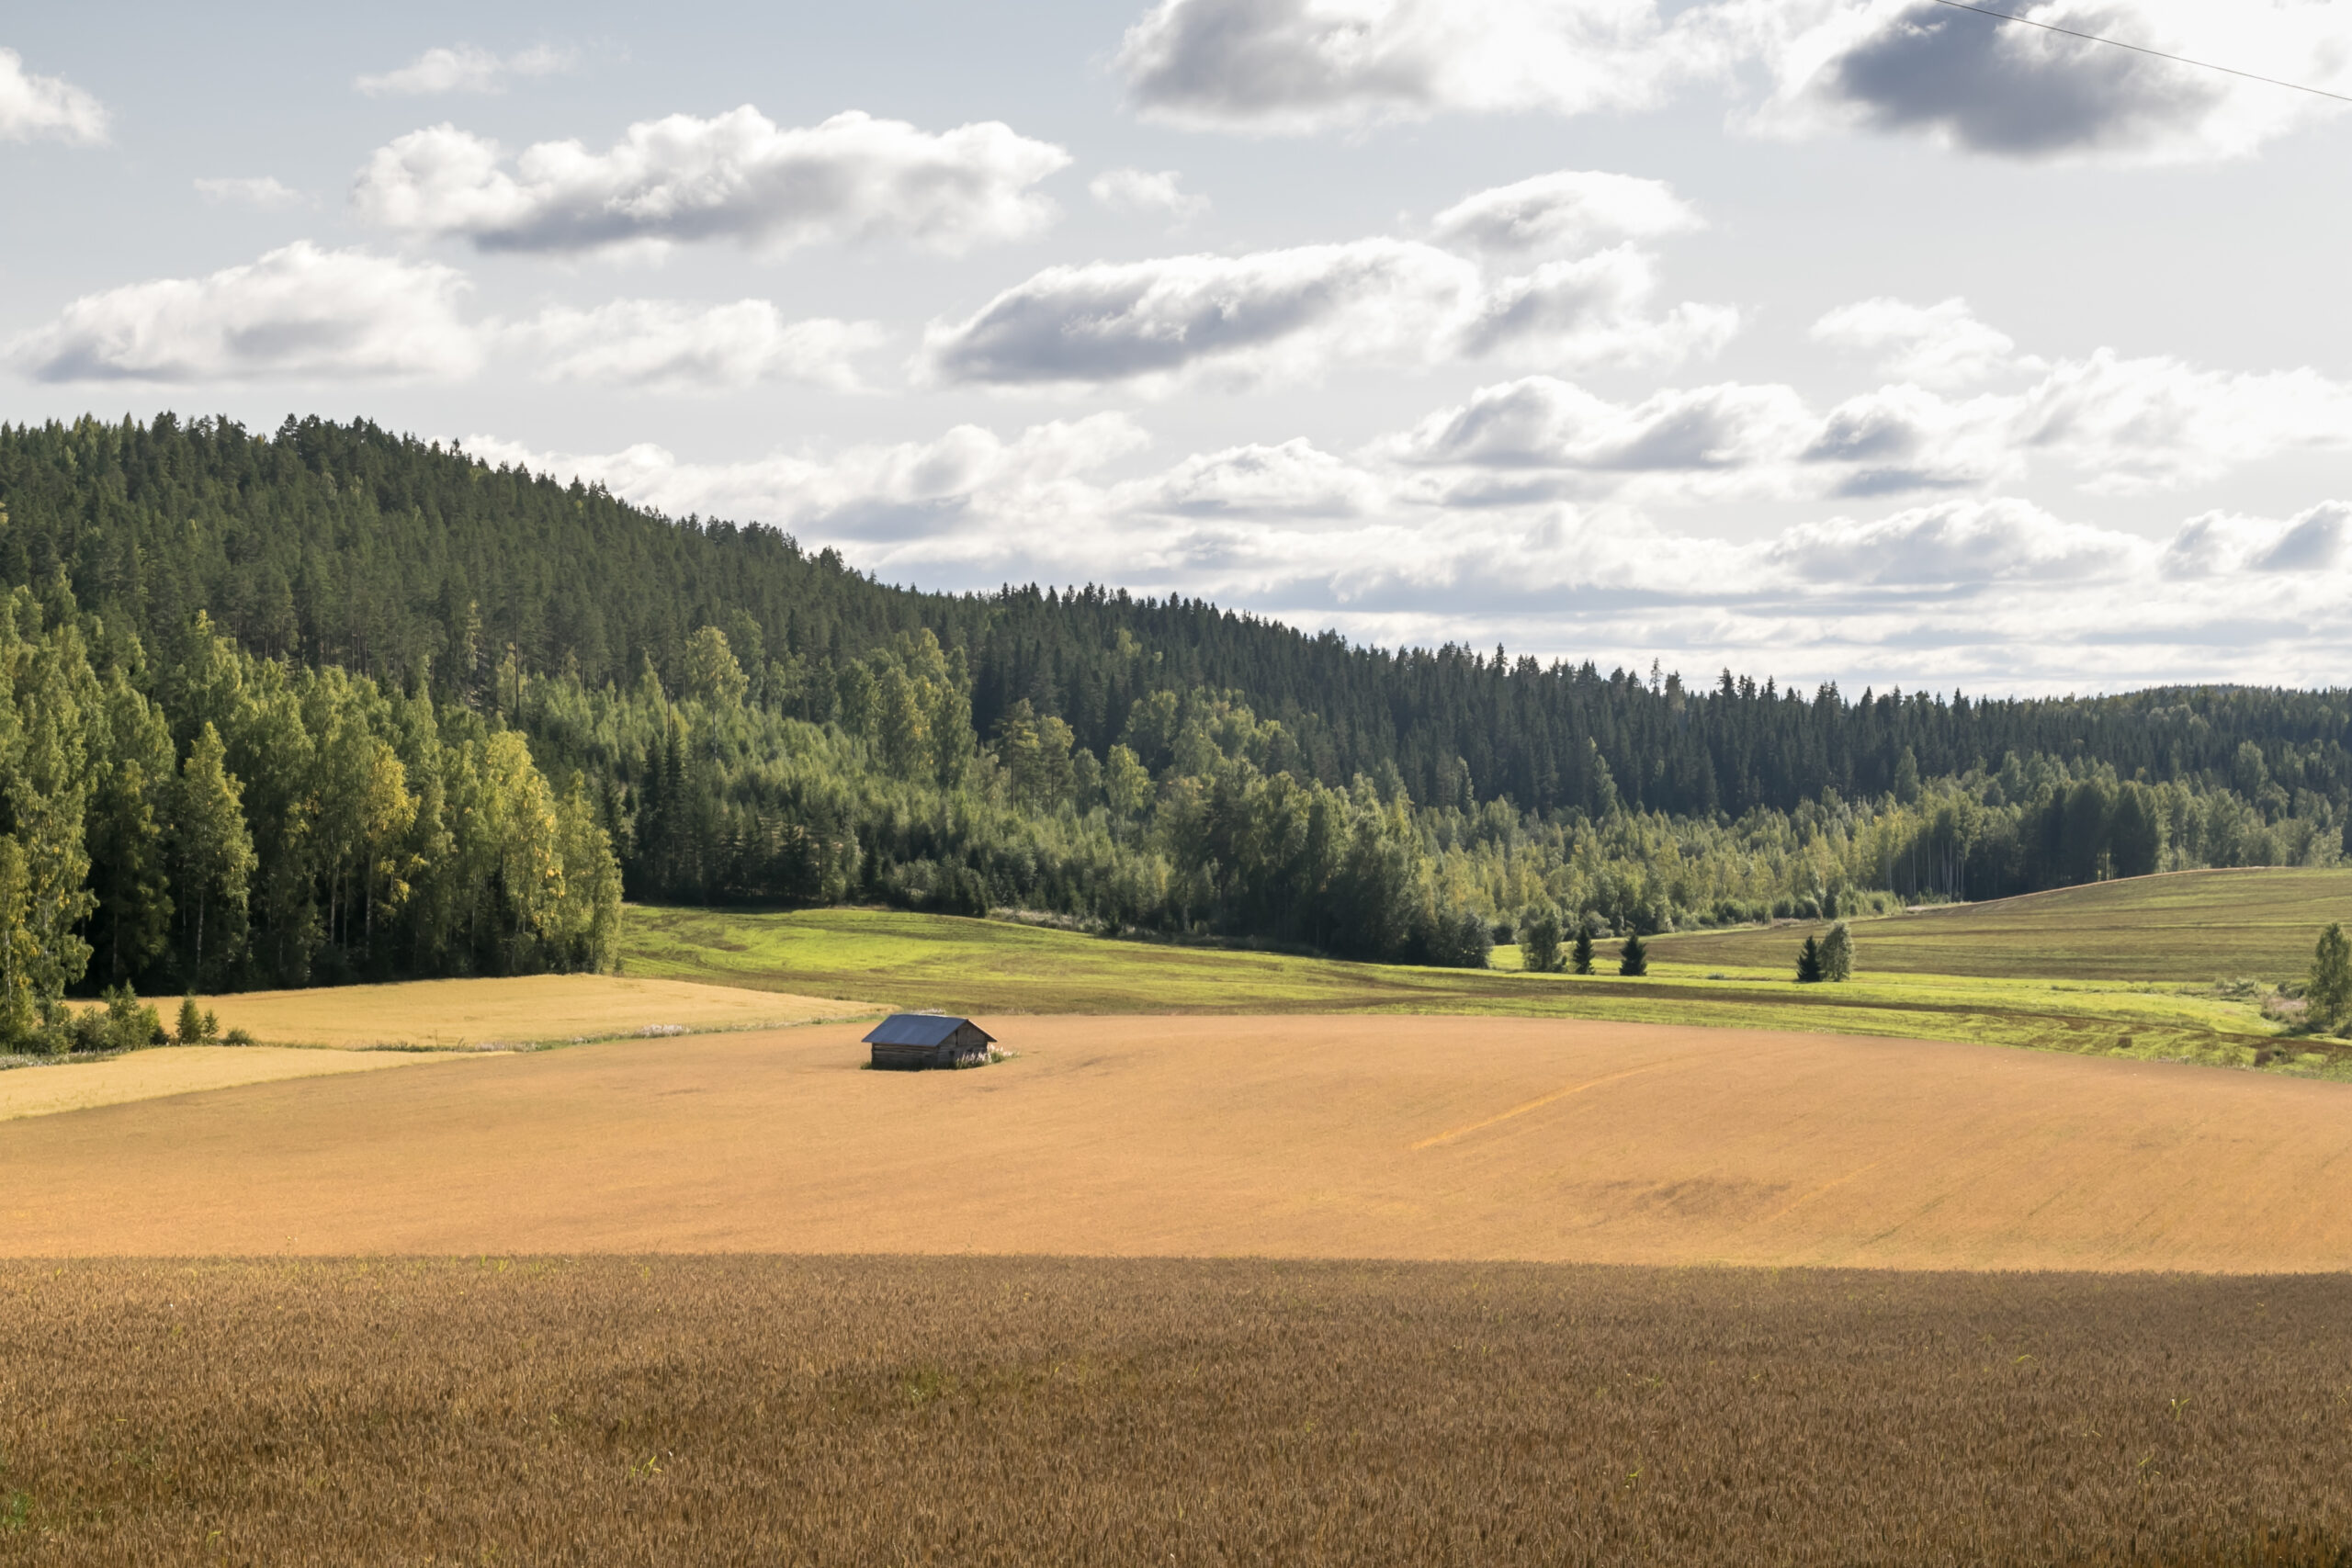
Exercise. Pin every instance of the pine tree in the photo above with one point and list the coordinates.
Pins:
(1809, 962)
(2327, 994)
(1580, 956)
(1633, 958)
(1838, 953)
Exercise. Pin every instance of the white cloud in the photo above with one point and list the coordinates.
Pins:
(1567, 211)
(1936, 345)
(968, 496)
(298, 311)
(1907, 438)
(2141, 424)
(1295, 65)
(1275, 315)
(736, 177)
(1971, 82)
(263, 192)
(467, 68)
(1292, 481)
(1542, 422)
(1135, 191)
(1998, 540)
(2220, 545)
(671, 346)
(1902, 67)
(1589, 311)
(2111, 425)
(32, 107)
(1289, 315)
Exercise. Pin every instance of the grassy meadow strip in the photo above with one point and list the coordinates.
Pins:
(2190, 926)
(990, 966)
(1013, 1411)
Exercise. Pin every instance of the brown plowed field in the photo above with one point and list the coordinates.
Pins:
(1300, 1137)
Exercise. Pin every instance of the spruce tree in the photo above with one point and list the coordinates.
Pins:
(1809, 962)
(1580, 958)
(1633, 958)
(1838, 953)
(2327, 994)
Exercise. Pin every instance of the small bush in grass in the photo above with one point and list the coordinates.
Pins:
(1809, 962)
(196, 1026)
(1633, 958)
(87, 1032)
(1539, 940)
(1459, 941)
(1580, 956)
(128, 1025)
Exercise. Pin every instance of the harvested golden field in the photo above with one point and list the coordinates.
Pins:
(1359, 1137)
(1025, 1411)
(150, 1074)
(531, 1010)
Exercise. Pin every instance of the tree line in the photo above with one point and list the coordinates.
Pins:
(347, 545)
(205, 820)
(1202, 818)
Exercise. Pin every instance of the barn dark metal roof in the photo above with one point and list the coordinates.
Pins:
(920, 1029)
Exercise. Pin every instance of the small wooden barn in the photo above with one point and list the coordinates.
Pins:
(912, 1040)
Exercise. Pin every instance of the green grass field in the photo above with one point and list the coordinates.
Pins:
(2195, 926)
(984, 967)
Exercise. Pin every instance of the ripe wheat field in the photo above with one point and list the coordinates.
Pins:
(1380, 1137)
(527, 1009)
(1025, 1411)
(154, 1075)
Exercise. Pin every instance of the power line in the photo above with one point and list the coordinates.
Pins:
(2136, 49)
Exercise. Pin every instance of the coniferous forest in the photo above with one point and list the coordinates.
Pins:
(331, 703)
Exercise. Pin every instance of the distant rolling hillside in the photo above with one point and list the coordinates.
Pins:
(2189, 925)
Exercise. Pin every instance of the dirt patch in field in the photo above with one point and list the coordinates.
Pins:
(527, 1010)
(1359, 1137)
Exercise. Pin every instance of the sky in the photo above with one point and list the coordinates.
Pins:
(1879, 342)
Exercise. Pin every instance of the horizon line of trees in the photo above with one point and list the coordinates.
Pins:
(422, 567)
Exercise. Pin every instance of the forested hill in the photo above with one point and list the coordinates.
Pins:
(343, 544)
(333, 704)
